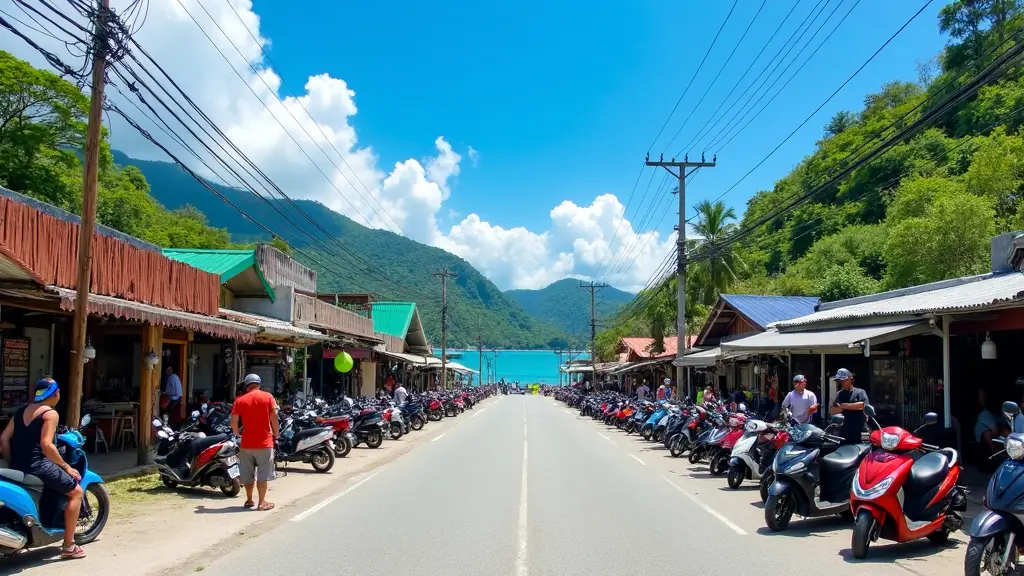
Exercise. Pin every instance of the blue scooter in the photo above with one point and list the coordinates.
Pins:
(31, 517)
(647, 430)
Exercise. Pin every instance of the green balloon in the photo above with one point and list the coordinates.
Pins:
(343, 362)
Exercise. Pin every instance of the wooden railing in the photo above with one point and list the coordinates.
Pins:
(393, 343)
(312, 312)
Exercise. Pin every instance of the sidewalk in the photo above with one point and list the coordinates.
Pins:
(154, 530)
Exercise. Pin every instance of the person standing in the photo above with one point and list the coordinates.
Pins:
(256, 412)
(802, 403)
(27, 444)
(172, 387)
(663, 390)
(400, 394)
(642, 391)
(850, 402)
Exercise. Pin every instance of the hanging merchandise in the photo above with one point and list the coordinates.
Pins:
(343, 362)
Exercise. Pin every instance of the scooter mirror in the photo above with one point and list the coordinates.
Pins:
(157, 423)
(162, 435)
(742, 407)
(195, 414)
(931, 419)
(869, 410)
(1011, 409)
(85, 421)
(203, 408)
(838, 419)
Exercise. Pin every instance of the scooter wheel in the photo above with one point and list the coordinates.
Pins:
(395, 430)
(696, 455)
(863, 527)
(322, 460)
(719, 463)
(374, 438)
(342, 446)
(99, 512)
(766, 482)
(736, 475)
(778, 511)
(232, 489)
(169, 483)
(416, 422)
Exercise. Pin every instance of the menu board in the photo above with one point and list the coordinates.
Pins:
(15, 372)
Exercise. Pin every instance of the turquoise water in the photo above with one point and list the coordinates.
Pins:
(526, 366)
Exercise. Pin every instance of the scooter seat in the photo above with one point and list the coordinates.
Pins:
(844, 457)
(19, 477)
(931, 469)
(200, 444)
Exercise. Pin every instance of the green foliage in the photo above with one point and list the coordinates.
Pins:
(566, 307)
(842, 282)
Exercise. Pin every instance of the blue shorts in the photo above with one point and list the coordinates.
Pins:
(53, 477)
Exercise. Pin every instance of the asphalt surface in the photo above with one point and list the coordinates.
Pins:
(596, 502)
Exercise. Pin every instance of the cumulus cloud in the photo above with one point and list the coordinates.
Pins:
(304, 140)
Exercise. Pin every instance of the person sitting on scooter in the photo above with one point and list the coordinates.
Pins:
(27, 444)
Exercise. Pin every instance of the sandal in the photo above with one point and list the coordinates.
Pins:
(75, 552)
(266, 506)
(248, 504)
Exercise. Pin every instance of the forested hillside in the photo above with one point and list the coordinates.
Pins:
(566, 306)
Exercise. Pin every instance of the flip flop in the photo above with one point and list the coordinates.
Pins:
(249, 504)
(266, 506)
(75, 552)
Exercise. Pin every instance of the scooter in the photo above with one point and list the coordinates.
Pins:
(307, 445)
(188, 458)
(647, 430)
(32, 517)
(809, 483)
(901, 495)
(994, 532)
(720, 454)
(368, 427)
(744, 462)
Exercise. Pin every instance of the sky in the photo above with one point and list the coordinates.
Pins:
(513, 134)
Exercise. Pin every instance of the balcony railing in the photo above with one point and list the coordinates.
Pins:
(312, 312)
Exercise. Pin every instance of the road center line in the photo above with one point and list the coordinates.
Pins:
(607, 438)
(706, 508)
(638, 460)
(438, 437)
(317, 507)
(521, 569)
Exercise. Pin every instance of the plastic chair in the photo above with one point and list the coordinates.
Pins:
(127, 429)
(100, 437)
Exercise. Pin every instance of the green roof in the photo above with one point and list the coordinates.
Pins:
(225, 263)
(393, 318)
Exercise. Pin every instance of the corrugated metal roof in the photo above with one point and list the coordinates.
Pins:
(393, 318)
(839, 338)
(959, 295)
(225, 263)
(273, 326)
(764, 310)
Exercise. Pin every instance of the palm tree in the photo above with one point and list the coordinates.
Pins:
(713, 225)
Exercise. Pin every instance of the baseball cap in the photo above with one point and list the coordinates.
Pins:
(668, 381)
(799, 378)
(843, 374)
(251, 379)
(45, 387)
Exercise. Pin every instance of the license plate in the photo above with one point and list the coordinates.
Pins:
(233, 471)
(231, 461)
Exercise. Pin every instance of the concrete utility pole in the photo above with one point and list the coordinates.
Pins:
(444, 275)
(593, 288)
(681, 339)
(480, 351)
(90, 181)
(559, 351)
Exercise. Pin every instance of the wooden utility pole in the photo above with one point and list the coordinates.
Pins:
(86, 228)
(444, 275)
(593, 288)
(480, 352)
(681, 174)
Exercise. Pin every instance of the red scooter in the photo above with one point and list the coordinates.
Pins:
(190, 458)
(905, 489)
(720, 454)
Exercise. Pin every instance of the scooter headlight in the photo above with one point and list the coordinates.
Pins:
(890, 441)
(872, 492)
(1015, 448)
(796, 468)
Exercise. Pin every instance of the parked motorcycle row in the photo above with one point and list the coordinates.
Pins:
(898, 487)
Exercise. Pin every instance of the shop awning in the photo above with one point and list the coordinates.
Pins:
(631, 366)
(413, 359)
(460, 368)
(275, 329)
(128, 310)
(835, 341)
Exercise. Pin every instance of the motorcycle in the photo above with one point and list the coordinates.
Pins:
(309, 445)
(189, 458)
(368, 427)
(901, 495)
(647, 430)
(812, 476)
(721, 453)
(993, 547)
(32, 517)
(393, 418)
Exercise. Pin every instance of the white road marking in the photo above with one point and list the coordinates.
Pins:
(521, 569)
(317, 507)
(706, 508)
(439, 436)
(478, 413)
(638, 460)
(569, 412)
(607, 438)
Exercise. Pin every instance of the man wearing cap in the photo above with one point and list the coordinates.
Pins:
(27, 444)
(663, 390)
(802, 403)
(257, 411)
(850, 402)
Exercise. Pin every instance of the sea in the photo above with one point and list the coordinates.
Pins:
(526, 366)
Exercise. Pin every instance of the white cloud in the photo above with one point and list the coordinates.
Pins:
(304, 140)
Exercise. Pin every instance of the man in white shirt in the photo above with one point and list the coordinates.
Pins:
(172, 387)
(802, 403)
(401, 394)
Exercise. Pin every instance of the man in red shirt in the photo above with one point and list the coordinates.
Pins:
(257, 411)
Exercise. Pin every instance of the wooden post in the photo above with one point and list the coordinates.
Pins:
(150, 379)
(90, 181)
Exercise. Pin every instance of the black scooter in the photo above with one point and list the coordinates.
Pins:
(994, 532)
(813, 475)
(303, 441)
(368, 426)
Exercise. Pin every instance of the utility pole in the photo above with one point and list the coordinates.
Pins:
(444, 275)
(559, 351)
(681, 174)
(88, 223)
(593, 288)
(480, 351)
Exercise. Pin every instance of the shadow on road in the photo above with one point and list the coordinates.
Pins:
(883, 551)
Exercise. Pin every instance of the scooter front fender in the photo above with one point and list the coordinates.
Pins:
(90, 477)
(735, 461)
(991, 522)
(877, 511)
(780, 486)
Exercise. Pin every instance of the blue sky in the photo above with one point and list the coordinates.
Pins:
(562, 103)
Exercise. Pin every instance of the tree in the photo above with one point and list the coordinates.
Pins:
(839, 123)
(713, 225)
(842, 282)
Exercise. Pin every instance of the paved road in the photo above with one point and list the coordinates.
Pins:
(595, 503)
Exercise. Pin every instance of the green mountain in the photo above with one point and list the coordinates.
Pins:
(566, 306)
(360, 259)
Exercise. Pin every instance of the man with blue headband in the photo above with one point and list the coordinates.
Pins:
(27, 444)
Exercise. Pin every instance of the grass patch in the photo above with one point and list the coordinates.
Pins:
(136, 489)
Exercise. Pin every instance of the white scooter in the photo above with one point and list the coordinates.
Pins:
(745, 462)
